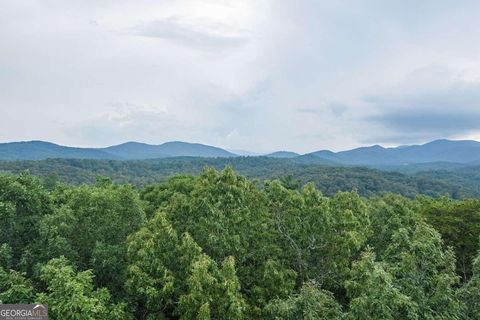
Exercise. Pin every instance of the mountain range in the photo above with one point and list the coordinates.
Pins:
(438, 151)
(451, 151)
(39, 150)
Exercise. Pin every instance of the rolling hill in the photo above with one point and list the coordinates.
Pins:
(39, 150)
(329, 179)
(461, 151)
(138, 151)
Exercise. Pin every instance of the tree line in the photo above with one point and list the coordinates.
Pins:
(328, 179)
(219, 246)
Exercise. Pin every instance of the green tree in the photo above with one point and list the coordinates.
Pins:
(311, 303)
(23, 202)
(169, 275)
(15, 287)
(158, 195)
(459, 224)
(275, 281)
(90, 226)
(471, 291)
(319, 235)
(227, 215)
(425, 271)
(373, 293)
(159, 260)
(71, 295)
(289, 182)
(212, 293)
(388, 214)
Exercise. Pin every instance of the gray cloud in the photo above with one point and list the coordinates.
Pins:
(409, 126)
(336, 109)
(449, 110)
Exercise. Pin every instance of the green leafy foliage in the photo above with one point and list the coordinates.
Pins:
(319, 235)
(311, 303)
(373, 293)
(90, 227)
(471, 292)
(220, 246)
(23, 202)
(71, 295)
(212, 292)
(459, 224)
(15, 287)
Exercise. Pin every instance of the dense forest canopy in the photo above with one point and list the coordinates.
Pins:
(431, 180)
(220, 246)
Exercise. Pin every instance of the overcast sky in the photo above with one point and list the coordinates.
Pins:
(251, 75)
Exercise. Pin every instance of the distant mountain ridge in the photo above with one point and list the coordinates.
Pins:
(39, 150)
(459, 151)
(136, 150)
(438, 151)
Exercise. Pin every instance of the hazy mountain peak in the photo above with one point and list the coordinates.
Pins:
(452, 142)
(283, 154)
(36, 150)
(441, 150)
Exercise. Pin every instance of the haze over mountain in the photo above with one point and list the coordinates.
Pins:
(438, 151)
(136, 150)
(461, 151)
(38, 150)
(283, 154)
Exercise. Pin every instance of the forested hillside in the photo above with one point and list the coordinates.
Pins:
(219, 246)
(328, 179)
